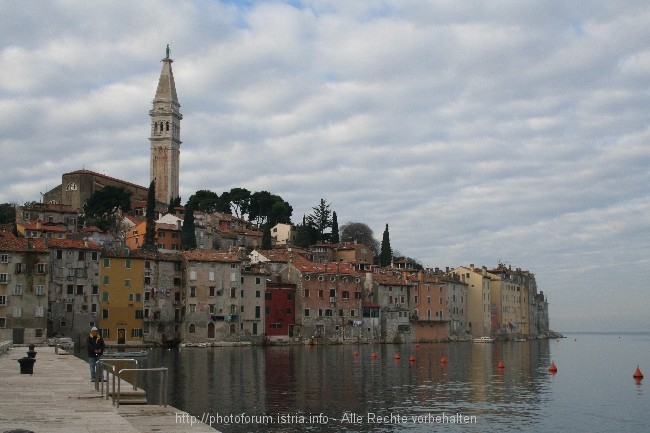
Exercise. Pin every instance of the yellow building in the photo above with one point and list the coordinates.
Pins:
(121, 301)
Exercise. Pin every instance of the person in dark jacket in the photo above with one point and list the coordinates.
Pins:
(95, 345)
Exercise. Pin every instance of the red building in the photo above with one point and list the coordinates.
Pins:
(280, 305)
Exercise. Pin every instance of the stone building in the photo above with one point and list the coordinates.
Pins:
(24, 265)
(211, 296)
(163, 294)
(74, 288)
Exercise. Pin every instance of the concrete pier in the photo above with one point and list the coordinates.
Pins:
(59, 397)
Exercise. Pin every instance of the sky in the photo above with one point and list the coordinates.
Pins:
(481, 132)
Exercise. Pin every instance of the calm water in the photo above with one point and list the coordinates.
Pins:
(593, 390)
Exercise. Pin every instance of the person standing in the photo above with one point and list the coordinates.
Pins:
(95, 347)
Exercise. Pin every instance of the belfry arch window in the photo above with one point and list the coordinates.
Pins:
(167, 126)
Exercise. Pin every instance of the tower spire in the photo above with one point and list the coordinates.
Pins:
(165, 134)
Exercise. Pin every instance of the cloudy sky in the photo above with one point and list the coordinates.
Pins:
(480, 131)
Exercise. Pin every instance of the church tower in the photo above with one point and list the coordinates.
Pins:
(165, 135)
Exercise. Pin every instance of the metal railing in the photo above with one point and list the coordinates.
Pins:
(106, 366)
(163, 385)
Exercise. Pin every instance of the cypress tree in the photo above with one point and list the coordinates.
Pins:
(334, 237)
(150, 232)
(266, 238)
(188, 235)
(386, 255)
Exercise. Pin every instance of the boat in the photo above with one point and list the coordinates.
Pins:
(132, 354)
(519, 340)
(484, 340)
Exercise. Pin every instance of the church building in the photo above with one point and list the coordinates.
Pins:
(77, 186)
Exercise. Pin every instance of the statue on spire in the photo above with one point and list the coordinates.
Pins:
(167, 51)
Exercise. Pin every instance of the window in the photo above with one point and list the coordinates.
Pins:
(138, 314)
(268, 296)
(211, 290)
(105, 313)
(80, 289)
(192, 328)
(18, 312)
(94, 256)
(211, 276)
(138, 297)
(93, 308)
(4, 278)
(345, 294)
(105, 279)
(106, 333)
(4, 258)
(258, 280)
(3, 300)
(38, 311)
(18, 268)
(353, 313)
(40, 268)
(328, 313)
(242, 309)
(306, 293)
(127, 263)
(107, 263)
(192, 275)
(147, 281)
(81, 255)
(95, 289)
(105, 296)
(306, 312)
(192, 292)
(241, 293)
(127, 282)
(233, 293)
(136, 333)
(258, 294)
(18, 289)
(192, 308)
(320, 294)
(257, 312)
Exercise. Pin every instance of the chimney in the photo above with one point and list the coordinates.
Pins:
(471, 266)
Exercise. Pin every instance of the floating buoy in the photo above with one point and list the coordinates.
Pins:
(356, 353)
(501, 365)
(637, 373)
(374, 355)
(417, 345)
(397, 356)
(443, 360)
(412, 358)
(552, 368)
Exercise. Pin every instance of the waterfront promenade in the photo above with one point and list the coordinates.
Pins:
(59, 397)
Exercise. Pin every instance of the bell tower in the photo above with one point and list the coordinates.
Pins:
(165, 135)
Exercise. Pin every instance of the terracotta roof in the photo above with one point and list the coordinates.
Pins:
(93, 173)
(43, 227)
(22, 244)
(326, 268)
(73, 243)
(370, 304)
(210, 256)
(389, 279)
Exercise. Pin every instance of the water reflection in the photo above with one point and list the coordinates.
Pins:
(331, 380)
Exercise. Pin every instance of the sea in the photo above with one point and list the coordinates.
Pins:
(365, 388)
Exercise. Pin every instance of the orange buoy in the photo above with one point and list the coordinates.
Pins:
(374, 355)
(443, 360)
(397, 356)
(417, 345)
(412, 358)
(501, 365)
(356, 353)
(552, 368)
(637, 373)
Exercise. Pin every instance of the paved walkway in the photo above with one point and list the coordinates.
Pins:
(59, 397)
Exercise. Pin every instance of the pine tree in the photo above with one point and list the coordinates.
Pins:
(188, 235)
(386, 255)
(150, 231)
(334, 237)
